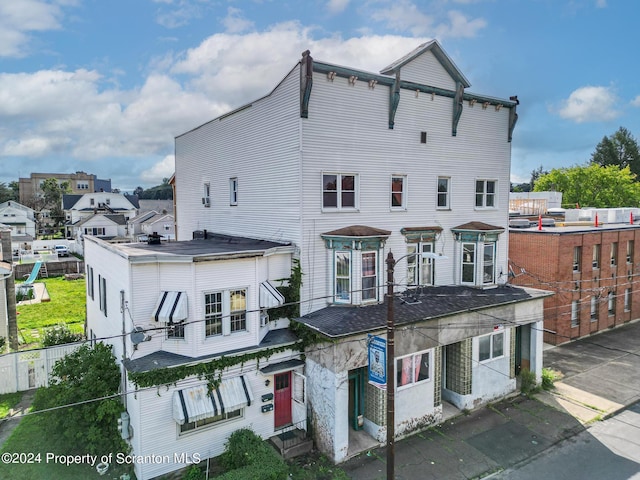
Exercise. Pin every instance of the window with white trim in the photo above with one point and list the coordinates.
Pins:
(486, 193)
(96, 231)
(412, 369)
(443, 193)
(627, 300)
(102, 294)
(339, 191)
(594, 308)
(206, 194)
(596, 256)
(398, 192)
(489, 263)
(213, 314)
(575, 313)
(469, 263)
(90, 286)
(369, 276)
(342, 277)
(419, 269)
(614, 254)
(225, 312)
(192, 426)
(612, 303)
(233, 191)
(577, 258)
(629, 251)
(490, 346)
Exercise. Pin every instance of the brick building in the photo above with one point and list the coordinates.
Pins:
(593, 270)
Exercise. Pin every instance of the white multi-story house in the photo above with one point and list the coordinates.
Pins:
(332, 171)
(189, 324)
(102, 214)
(20, 219)
(350, 166)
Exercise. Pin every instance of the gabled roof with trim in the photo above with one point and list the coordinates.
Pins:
(434, 47)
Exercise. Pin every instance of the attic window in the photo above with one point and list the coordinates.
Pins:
(423, 137)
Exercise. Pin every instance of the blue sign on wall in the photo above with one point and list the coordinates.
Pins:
(378, 362)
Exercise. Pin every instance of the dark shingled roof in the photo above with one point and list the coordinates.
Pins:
(477, 226)
(413, 306)
(162, 359)
(359, 231)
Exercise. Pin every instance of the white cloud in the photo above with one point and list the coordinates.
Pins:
(590, 104)
(337, 6)
(163, 169)
(235, 22)
(406, 16)
(636, 101)
(19, 19)
(601, 3)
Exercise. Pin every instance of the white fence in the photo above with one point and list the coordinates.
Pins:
(21, 371)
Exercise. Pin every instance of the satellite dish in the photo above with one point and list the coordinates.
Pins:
(138, 335)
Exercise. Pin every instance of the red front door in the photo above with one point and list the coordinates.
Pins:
(282, 400)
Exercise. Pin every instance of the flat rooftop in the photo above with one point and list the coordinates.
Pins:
(574, 227)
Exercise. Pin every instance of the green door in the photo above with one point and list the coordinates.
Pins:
(356, 397)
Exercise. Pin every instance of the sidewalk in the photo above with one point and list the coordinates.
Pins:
(11, 422)
(600, 375)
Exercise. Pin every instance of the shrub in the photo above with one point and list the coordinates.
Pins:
(60, 334)
(248, 457)
(194, 473)
(548, 377)
(3, 344)
(527, 382)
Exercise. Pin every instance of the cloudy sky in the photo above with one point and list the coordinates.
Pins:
(104, 86)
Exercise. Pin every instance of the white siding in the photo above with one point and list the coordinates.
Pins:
(259, 145)
(347, 131)
(428, 70)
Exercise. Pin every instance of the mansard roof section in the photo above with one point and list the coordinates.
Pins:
(423, 54)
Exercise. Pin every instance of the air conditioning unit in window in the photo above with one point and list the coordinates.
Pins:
(264, 319)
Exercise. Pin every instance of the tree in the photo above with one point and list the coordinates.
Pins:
(52, 192)
(87, 374)
(593, 186)
(535, 175)
(619, 149)
(6, 193)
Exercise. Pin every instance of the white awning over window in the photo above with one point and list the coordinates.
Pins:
(196, 403)
(171, 307)
(270, 297)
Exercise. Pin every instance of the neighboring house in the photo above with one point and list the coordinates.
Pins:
(201, 359)
(110, 227)
(19, 218)
(591, 265)
(79, 183)
(350, 166)
(109, 206)
(155, 216)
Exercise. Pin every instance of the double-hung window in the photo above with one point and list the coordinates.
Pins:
(612, 303)
(575, 313)
(225, 312)
(369, 276)
(596, 256)
(443, 193)
(614, 254)
(491, 346)
(419, 269)
(594, 308)
(339, 191)
(206, 194)
(213, 313)
(102, 294)
(412, 369)
(627, 300)
(629, 251)
(486, 193)
(398, 192)
(489, 264)
(577, 258)
(342, 277)
(233, 191)
(90, 287)
(469, 263)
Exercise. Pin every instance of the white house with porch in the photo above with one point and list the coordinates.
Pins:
(349, 166)
(200, 356)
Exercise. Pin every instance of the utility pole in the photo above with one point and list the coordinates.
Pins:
(391, 420)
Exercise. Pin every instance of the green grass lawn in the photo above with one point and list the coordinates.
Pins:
(8, 401)
(29, 438)
(67, 305)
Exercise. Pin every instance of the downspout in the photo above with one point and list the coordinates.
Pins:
(124, 350)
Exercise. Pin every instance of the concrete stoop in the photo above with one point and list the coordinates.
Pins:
(292, 443)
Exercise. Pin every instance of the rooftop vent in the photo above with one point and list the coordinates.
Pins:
(153, 239)
(519, 223)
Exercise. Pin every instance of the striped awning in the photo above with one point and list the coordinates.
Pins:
(171, 307)
(270, 297)
(197, 403)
